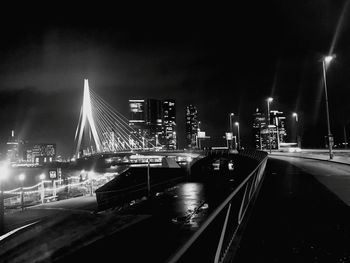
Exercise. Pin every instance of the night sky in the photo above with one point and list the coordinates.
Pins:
(220, 58)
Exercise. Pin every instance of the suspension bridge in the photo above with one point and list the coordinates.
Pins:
(102, 129)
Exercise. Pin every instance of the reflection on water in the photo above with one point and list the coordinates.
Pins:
(188, 203)
(190, 196)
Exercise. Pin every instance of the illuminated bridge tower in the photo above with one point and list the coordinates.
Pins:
(86, 116)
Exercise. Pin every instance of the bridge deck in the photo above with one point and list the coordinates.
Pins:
(296, 218)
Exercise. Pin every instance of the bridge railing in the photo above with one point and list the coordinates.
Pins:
(222, 228)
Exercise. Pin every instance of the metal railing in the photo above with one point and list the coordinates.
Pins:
(53, 190)
(220, 229)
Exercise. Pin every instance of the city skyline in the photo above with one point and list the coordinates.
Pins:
(224, 65)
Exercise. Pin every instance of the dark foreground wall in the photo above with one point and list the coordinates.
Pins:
(133, 184)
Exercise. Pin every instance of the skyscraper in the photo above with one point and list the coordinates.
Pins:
(191, 126)
(40, 153)
(154, 118)
(169, 124)
(260, 131)
(138, 116)
(279, 121)
(12, 153)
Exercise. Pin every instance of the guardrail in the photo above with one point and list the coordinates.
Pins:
(221, 227)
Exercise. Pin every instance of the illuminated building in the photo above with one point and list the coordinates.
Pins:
(169, 124)
(138, 117)
(146, 118)
(260, 131)
(12, 145)
(279, 121)
(191, 126)
(41, 153)
(154, 119)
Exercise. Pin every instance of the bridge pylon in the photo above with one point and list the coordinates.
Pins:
(86, 117)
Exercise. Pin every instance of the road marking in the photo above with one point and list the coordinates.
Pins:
(15, 230)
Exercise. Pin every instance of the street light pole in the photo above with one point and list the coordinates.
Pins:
(2, 208)
(21, 178)
(231, 128)
(325, 61)
(3, 174)
(239, 138)
(268, 120)
(295, 115)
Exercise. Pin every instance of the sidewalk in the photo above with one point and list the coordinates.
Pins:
(339, 156)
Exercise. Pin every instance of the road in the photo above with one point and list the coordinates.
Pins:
(298, 216)
(83, 204)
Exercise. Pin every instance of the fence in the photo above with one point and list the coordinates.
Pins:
(217, 238)
(53, 190)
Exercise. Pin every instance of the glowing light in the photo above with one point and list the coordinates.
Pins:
(21, 177)
(4, 171)
(42, 176)
(269, 99)
(87, 114)
(328, 59)
(237, 123)
(295, 115)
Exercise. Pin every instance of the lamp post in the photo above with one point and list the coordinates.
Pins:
(3, 175)
(21, 177)
(197, 139)
(239, 138)
(231, 128)
(269, 100)
(42, 194)
(295, 115)
(325, 63)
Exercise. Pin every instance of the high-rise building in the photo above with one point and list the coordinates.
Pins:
(169, 124)
(138, 116)
(260, 131)
(191, 126)
(41, 153)
(279, 121)
(154, 119)
(12, 153)
(146, 118)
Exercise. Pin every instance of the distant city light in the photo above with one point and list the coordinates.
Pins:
(42, 176)
(21, 177)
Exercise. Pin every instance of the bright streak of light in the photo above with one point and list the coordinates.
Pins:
(339, 27)
(4, 171)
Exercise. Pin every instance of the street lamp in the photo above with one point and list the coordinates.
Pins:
(269, 100)
(21, 177)
(42, 178)
(295, 115)
(231, 128)
(239, 138)
(4, 170)
(325, 63)
(197, 139)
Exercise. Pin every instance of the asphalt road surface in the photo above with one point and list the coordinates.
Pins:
(296, 217)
